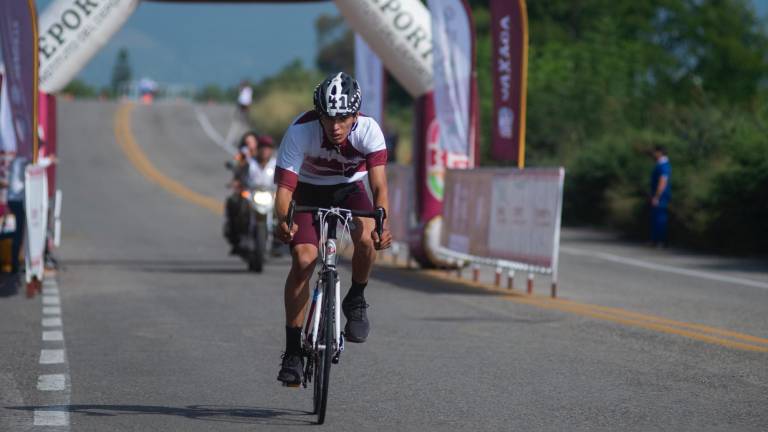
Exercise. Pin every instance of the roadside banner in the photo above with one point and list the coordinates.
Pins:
(18, 39)
(452, 61)
(399, 31)
(369, 72)
(36, 206)
(47, 119)
(441, 142)
(72, 32)
(511, 215)
(401, 201)
(509, 62)
(7, 153)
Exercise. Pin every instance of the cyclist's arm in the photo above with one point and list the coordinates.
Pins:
(377, 178)
(282, 202)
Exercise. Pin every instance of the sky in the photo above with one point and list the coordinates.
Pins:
(197, 44)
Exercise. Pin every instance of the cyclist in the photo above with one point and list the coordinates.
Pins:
(322, 161)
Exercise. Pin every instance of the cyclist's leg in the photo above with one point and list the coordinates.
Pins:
(365, 253)
(354, 304)
(304, 257)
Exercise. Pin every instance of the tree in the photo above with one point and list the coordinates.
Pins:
(335, 44)
(121, 72)
(80, 89)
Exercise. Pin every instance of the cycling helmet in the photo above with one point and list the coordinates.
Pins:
(338, 95)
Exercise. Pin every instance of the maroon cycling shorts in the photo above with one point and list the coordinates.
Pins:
(351, 196)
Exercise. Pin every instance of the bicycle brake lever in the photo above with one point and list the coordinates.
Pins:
(381, 214)
(291, 211)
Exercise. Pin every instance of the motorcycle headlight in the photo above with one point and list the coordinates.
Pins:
(262, 198)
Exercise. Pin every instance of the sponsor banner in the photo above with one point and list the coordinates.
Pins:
(507, 214)
(18, 36)
(7, 142)
(399, 31)
(73, 31)
(369, 72)
(36, 206)
(47, 121)
(453, 60)
(509, 30)
(401, 201)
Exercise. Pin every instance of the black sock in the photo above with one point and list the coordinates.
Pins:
(292, 340)
(356, 290)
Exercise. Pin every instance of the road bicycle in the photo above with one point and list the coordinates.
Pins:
(323, 341)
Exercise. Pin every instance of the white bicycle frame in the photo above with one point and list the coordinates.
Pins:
(329, 259)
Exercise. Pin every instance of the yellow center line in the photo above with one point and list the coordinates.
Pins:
(635, 319)
(703, 333)
(139, 160)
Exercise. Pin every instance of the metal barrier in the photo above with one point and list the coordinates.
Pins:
(506, 219)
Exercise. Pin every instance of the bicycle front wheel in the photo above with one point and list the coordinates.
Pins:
(323, 370)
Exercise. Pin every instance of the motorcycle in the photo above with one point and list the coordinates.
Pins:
(250, 225)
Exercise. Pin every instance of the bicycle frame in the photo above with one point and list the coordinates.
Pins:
(329, 260)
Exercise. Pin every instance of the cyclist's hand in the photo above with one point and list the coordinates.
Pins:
(384, 242)
(284, 234)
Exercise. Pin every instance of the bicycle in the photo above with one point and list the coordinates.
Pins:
(323, 341)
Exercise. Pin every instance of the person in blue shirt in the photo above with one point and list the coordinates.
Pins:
(660, 195)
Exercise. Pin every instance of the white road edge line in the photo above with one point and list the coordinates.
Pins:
(51, 356)
(54, 415)
(53, 335)
(51, 310)
(663, 268)
(52, 322)
(51, 300)
(51, 417)
(211, 132)
(52, 382)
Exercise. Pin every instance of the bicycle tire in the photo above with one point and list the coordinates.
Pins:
(329, 300)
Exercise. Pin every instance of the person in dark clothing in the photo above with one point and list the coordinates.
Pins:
(660, 196)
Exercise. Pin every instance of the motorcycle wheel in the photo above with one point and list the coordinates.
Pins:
(256, 260)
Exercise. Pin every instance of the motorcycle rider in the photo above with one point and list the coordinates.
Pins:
(261, 164)
(254, 167)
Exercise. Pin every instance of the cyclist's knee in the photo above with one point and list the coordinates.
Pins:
(364, 245)
(304, 257)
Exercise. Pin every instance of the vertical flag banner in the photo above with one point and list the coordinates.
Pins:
(509, 30)
(47, 120)
(452, 68)
(450, 137)
(369, 72)
(73, 31)
(18, 36)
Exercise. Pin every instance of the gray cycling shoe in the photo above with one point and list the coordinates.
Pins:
(358, 326)
(291, 370)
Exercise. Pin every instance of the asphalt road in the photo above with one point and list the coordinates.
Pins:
(163, 331)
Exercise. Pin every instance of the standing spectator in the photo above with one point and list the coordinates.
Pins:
(660, 195)
(245, 99)
(16, 205)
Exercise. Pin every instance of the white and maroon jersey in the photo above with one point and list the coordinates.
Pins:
(306, 155)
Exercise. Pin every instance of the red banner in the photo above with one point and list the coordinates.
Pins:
(18, 36)
(47, 113)
(509, 30)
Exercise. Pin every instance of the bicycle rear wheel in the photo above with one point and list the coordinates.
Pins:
(323, 368)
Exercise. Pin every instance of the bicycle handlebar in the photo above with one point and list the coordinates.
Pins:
(379, 214)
